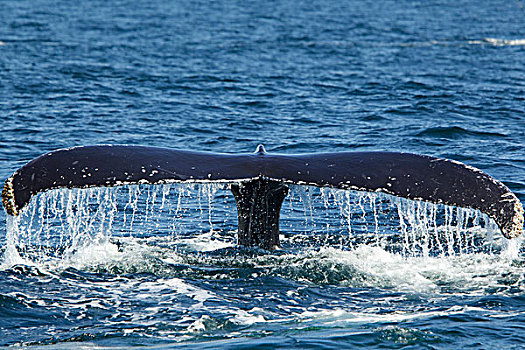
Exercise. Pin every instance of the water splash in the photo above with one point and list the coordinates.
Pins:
(348, 219)
(60, 225)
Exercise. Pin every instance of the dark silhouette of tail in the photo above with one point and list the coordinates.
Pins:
(260, 180)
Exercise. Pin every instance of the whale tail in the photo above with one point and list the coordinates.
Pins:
(260, 180)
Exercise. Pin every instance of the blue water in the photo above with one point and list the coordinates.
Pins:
(444, 78)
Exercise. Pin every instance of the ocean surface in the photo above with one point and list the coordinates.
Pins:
(156, 267)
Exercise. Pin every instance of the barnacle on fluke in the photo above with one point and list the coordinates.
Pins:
(261, 178)
(8, 197)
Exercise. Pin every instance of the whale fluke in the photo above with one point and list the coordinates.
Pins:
(262, 179)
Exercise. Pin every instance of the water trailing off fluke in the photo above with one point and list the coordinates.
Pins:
(259, 180)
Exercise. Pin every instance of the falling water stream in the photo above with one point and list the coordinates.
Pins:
(59, 223)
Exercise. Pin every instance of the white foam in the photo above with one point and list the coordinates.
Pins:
(204, 243)
(342, 318)
(93, 254)
(498, 42)
(471, 274)
(385, 269)
(247, 318)
(199, 325)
